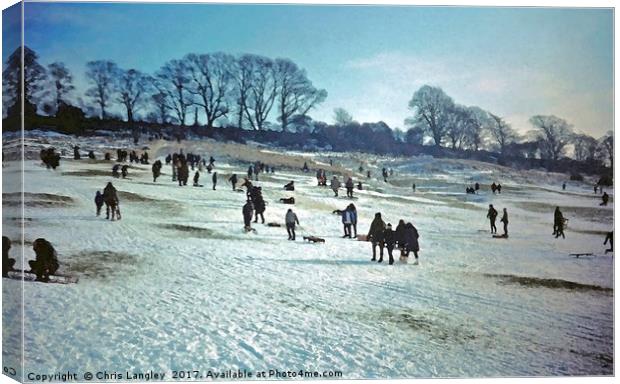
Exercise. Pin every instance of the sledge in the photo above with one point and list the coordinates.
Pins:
(30, 276)
(314, 239)
(577, 255)
(274, 224)
(199, 185)
(362, 237)
(500, 236)
(289, 200)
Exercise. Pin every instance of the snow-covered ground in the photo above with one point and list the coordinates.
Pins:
(177, 285)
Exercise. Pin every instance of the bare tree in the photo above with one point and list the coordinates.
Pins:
(211, 83)
(457, 120)
(172, 81)
(415, 135)
(554, 134)
(342, 117)
(501, 132)
(242, 75)
(62, 81)
(431, 108)
(33, 79)
(262, 91)
(474, 133)
(101, 75)
(606, 147)
(585, 146)
(161, 107)
(296, 94)
(131, 87)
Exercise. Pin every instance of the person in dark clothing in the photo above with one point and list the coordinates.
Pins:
(7, 263)
(359, 186)
(494, 187)
(233, 180)
(375, 235)
(214, 179)
(499, 188)
(248, 211)
(259, 204)
(353, 210)
(46, 261)
(183, 172)
(390, 240)
(110, 199)
(115, 170)
(564, 186)
(558, 223)
(290, 220)
(610, 238)
(107, 156)
(305, 168)
(349, 186)
(124, 170)
(212, 161)
(492, 215)
(76, 153)
(595, 189)
(91, 155)
(347, 222)
(98, 202)
(505, 221)
(605, 199)
(196, 178)
(168, 159)
(156, 168)
(289, 186)
(413, 187)
(411, 240)
(368, 175)
(250, 172)
(399, 236)
(477, 186)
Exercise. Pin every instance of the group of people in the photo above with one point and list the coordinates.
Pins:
(496, 188)
(492, 216)
(50, 158)
(405, 238)
(349, 220)
(124, 170)
(43, 266)
(109, 197)
(470, 190)
(259, 167)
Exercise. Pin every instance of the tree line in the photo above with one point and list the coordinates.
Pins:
(243, 91)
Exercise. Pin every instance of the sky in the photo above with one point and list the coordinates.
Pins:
(514, 62)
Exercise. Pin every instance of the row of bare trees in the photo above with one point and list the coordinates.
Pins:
(245, 89)
(446, 123)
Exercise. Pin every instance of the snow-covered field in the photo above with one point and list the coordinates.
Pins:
(177, 285)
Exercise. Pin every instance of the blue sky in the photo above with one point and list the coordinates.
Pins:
(515, 62)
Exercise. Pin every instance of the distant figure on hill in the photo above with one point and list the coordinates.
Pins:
(214, 179)
(45, 262)
(110, 198)
(504, 220)
(499, 188)
(250, 172)
(91, 155)
(375, 236)
(494, 187)
(290, 220)
(413, 187)
(233, 181)
(349, 186)
(595, 189)
(115, 170)
(76, 152)
(248, 212)
(492, 215)
(290, 186)
(305, 168)
(605, 199)
(7, 262)
(477, 186)
(368, 175)
(609, 237)
(196, 179)
(98, 202)
(359, 185)
(558, 223)
(124, 170)
(564, 186)
(335, 185)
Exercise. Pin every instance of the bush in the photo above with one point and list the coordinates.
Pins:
(576, 177)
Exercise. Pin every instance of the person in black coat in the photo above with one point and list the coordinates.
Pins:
(7, 262)
(389, 237)
(98, 202)
(492, 215)
(558, 223)
(156, 168)
(214, 179)
(375, 236)
(399, 236)
(411, 240)
(46, 261)
(247, 210)
(196, 178)
(233, 180)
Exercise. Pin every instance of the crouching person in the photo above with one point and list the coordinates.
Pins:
(46, 261)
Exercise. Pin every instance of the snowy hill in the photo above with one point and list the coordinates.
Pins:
(177, 284)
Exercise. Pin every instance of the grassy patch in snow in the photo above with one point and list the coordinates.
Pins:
(536, 282)
(38, 200)
(100, 264)
(594, 213)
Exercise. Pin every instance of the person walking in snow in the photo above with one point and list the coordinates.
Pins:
(353, 211)
(156, 169)
(250, 172)
(196, 178)
(124, 170)
(390, 240)
(558, 223)
(346, 222)
(335, 185)
(375, 236)
(411, 241)
(504, 220)
(248, 211)
(214, 179)
(605, 199)
(492, 215)
(290, 220)
(110, 198)
(399, 236)
(349, 185)
(98, 202)
(233, 181)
